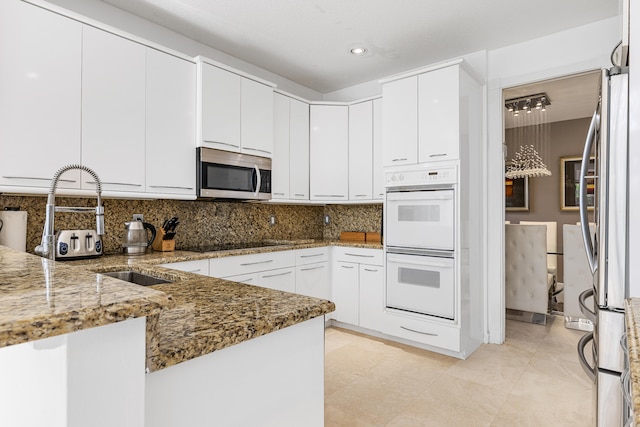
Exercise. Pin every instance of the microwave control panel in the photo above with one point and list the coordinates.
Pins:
(422, 176)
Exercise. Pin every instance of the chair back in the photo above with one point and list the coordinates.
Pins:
(552, 242)
(526, 277)
(577, 274)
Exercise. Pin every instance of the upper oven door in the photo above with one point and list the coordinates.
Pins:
(421, 219)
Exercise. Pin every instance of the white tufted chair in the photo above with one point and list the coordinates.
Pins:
(552, 242)
(527, 281)
(577, 275)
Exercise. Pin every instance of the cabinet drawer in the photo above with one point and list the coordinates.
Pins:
(244, 264)
(359, 255)
(311, 255)
(422, 331)
(312, 280)
(200, 266)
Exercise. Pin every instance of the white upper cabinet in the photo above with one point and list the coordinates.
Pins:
(40, 69)
(400, 122)
(378, 164)
(236, 112)
(220, 108)
(256, 118)
(290, 164)
(281, 147)
(361, 151)
(298, 150)
(113, 111)
(170, 125)
(329, 152)
(438, 116)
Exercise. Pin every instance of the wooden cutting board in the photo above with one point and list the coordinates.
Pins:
(352, 236)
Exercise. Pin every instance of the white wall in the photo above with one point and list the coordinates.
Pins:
(139, 27)
(580, 49)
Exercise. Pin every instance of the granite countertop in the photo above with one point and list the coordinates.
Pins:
(40, 298)
(632, 320)
(190, 317)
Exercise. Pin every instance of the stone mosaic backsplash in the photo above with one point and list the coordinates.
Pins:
(202, 221)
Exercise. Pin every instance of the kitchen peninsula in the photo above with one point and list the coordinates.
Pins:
(73, 343)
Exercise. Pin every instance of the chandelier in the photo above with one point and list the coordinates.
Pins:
(532, 135)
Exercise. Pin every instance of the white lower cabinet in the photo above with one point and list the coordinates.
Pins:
(313, 274)
(200, 266)
(283, 279)
(357, 287)
(273, 270)
(422, 331)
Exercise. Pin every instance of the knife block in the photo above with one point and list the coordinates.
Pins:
(161, 245)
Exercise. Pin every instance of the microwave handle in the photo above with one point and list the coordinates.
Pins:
(258, 179)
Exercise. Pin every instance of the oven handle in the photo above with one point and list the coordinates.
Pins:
(426, 196)
(588, 369)
(426, 264)
(418, 332)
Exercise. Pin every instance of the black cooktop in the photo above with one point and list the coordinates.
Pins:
(211, 247)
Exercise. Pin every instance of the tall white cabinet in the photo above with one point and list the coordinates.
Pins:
(361, 151)
(400, 122)
(290, 164)
(40, 101)
(329, 152)
(113, 111)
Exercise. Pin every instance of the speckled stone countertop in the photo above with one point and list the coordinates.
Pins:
(40, 298)
(632, 320)
(201, 314)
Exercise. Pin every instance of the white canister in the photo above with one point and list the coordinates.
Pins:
(13, 229)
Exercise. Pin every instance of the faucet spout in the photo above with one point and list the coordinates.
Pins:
(47, 244)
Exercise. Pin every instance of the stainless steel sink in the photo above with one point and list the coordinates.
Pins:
(137, 278)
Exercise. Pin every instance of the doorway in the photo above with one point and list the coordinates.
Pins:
(550, 119)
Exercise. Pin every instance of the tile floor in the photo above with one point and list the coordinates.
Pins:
(534, 379)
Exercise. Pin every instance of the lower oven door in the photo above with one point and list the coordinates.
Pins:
(421, 284)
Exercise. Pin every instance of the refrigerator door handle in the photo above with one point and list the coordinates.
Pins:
(584, 219)
(588, 313)
(588, 369)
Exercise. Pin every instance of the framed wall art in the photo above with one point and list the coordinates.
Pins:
(516, 194)
(570, 183)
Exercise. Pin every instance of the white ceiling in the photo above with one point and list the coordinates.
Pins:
(572, 97)
(307, 41)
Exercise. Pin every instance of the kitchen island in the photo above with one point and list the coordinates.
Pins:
(214, 350)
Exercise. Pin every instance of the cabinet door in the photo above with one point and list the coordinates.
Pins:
(378, 164)
(344, 292)
(200, 266)
(439, 117)
(280, 162)
(113, 111)
(299, 150)
(220, 112)
(280, 280)
(256, 118)
(400, 122)
(170, 123)
(371, 297)
(361, 151)
(313, 280)
(40, 69)
(329, 152)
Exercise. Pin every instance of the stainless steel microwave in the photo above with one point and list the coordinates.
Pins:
(227, 175)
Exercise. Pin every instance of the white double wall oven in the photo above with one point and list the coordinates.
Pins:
(420, 240)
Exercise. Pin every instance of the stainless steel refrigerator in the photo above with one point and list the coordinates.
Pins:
(607, 143)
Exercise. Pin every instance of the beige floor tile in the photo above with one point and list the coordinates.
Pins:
(524, 412)
(371, 399)
(493, 365)
(351, 359)
(335, 379)
(335, 338)
(527, 336)
(334, 417)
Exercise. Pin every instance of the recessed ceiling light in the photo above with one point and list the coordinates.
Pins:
(358, 51)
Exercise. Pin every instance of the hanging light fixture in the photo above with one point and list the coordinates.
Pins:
(532, 136)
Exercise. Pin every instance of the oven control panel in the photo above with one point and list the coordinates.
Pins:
(422, 176)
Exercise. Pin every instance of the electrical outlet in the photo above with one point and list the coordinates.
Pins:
(138, 217)
(327, 220)
(272, 220)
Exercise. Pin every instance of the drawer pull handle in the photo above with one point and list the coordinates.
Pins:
(195, 271)
(257, 149)
(299, 195)
(276, 275)
(329, 195)
(438, 155)
(311, 268)
(371, 270)
(37, 179)
(128, 184)
(404, 159)
(347, 266)
(363, 256)
(257, 262)
(310, 256)
(246, 280)
(419, 332)
(171, 186)
(222, 143)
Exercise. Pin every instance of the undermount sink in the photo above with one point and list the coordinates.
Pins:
(135, 277)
